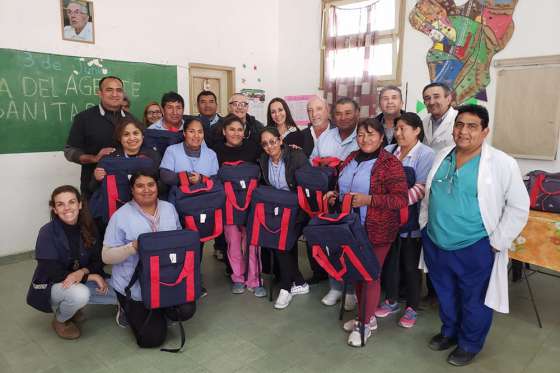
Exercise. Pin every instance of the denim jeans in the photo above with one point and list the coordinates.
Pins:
(66, 302)
(339, 285)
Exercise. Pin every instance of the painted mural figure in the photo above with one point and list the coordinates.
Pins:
(465, 38)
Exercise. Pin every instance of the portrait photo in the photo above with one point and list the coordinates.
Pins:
(77, 20)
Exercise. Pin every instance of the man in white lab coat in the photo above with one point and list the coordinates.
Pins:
(476, 204)
(438, 124)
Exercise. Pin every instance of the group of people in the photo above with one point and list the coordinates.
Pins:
(470, 196)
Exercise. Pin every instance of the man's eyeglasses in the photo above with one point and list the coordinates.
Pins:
(266, 144)
(240, 104)
(74, 12)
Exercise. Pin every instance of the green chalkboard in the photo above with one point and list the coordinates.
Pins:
(40, 94)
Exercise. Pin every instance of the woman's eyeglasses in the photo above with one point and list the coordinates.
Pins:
(266, 144)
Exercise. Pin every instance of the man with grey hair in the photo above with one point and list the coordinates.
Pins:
(319, 123)
(80, 27)
(390, 103)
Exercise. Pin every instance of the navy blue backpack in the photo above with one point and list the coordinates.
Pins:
(312, 184)
(340, 245)
(240, 179)
(168, 271)
(159, 140)
(200, 206)
(272, 218)
(115, 187)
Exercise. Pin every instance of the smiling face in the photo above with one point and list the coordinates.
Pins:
(277, 113)
(131, 139)
(239, 105)
(468, 132)
(67, 207)
(173, 113)
(406, 135)
(390, 102)
(346, 116)
(111, 94)
(437, 101)
(194, 134)
(234, 134)
(153, 113)
(318, 112)
(207, 106)
(271, 145)
(77, 18)
(369, 140)
(145, 191)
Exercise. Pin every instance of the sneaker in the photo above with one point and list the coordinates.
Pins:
(260, 291)
(203, 292)
(355, 338)
(351, 324)
(283, 300)
(66, 329)
(238, 288)
(386, 309)
(121, 317)
(350, 302)
(332, 297)
(299, 289)
(409, 318)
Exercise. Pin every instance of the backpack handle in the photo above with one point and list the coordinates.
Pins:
(346, 208)
(185, 184)
(304, 203)
(332, 162)
(260, 221)
(233, 163)
(218, 225)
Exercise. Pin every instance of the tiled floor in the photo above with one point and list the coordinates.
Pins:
(241, 333)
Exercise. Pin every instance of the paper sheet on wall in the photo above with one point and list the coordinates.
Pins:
(298, 108)
(257, 105)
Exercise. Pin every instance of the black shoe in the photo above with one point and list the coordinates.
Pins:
(203, 292)
(315, 279)
(440, 343)
(460, 357)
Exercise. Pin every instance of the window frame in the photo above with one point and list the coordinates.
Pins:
(395, 36)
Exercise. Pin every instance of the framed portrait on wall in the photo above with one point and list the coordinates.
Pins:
(76, 18)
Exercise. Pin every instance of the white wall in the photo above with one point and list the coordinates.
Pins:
(173, 32)
(282, 37)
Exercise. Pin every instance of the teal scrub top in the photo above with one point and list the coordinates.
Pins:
(454, 220)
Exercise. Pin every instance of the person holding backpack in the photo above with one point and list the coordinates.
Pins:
(417, 158)
(144, 213)
(278, 166)
(69, 273)
(376, 180)
(235, 149)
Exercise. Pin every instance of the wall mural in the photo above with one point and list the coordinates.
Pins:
(465, 39)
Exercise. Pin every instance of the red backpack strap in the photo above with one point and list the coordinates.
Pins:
(324, 262)
(345, 210)
(186, 273)
(112, 194)
(185, 185)
(218, 226)
(349, 253)
(231, 200)
(154, 281)
(260, 221)
(234, 163)
(304, 203)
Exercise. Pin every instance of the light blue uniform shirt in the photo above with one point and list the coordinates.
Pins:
(159, 125)
(176, 159)
(454, 220)
(331, 145)
(277, 175)
(125, 226)
(356, 178)
(420, 158)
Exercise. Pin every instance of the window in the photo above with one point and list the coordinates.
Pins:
(386, 20)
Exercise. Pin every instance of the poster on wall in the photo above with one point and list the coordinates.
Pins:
(257, 105)
(298, 108)
(465, 40)
(76, 17)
